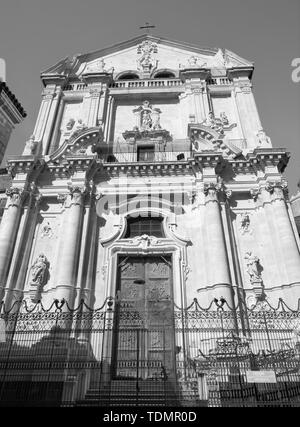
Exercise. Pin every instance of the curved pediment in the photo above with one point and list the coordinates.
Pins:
(205, 138)
(80, 143)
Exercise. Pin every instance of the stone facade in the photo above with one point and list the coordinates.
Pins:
(149, 127)
(11, 113)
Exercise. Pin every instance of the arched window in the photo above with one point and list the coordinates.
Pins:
(128, 76)
(144, 225)
(164, 75)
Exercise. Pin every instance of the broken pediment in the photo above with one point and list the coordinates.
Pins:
(210, 136)
(82, 142)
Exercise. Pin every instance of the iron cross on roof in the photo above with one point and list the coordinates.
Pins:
(147, 26)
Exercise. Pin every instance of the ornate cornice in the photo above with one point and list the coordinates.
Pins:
(27, 165)
(145, 168)
(208, 159)
(266, 157)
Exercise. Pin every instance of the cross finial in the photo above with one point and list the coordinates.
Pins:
(147, 26)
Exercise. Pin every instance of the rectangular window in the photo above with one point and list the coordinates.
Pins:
(139, 226)
(146, 154)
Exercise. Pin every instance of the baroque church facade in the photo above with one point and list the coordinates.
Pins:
(149, 129)
(149, 178)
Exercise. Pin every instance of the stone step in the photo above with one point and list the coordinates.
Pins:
(124, 393)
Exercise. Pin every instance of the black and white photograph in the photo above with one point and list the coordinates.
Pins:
(149, 207)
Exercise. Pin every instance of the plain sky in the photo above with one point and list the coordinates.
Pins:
(35, 34)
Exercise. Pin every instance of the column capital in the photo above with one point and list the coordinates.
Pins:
(61, 198)
(77, 194)
(16, 196)
(278, 190)
(215, 191)
(211, 191)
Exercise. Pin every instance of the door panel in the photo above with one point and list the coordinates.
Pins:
(144, 322)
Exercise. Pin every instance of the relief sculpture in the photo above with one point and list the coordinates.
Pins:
(40, 276)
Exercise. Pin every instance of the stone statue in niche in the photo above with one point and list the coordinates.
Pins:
(263, 139)
(40, 276)
(253, 268)
(30, 146)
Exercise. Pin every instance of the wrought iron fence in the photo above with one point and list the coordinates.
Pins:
(115, 355)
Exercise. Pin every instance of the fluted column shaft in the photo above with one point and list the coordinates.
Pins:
(69, 248)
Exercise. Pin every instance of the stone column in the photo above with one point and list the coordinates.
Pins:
(216, 246)
(288, 243)
(8, 231)
(23, 246)
(69, 246)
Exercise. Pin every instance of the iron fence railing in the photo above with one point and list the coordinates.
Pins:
(59, 356)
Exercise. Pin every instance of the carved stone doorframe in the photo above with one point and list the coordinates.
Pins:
(172, 245)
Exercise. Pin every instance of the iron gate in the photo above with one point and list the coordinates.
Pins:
(58, 356)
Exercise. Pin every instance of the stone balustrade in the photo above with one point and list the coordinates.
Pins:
(155, 83)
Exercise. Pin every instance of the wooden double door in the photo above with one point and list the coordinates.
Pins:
(144, 324)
